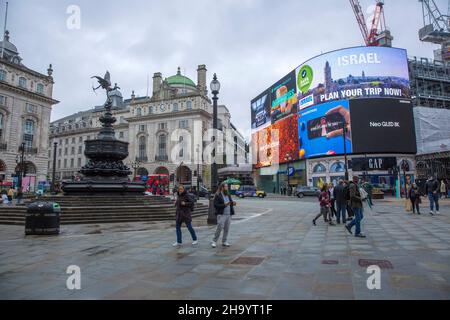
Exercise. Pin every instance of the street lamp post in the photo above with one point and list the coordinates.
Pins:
(404, 167)
(20, 161)
(53, 189)
(215, 88)
(198, 171)
(288, 159)
(344, 133)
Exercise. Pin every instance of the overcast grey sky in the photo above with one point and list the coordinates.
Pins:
(250, 44)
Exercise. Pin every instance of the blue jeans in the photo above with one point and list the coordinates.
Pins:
(191, 230)
(358, 212)
(434, 199)
(341, 210)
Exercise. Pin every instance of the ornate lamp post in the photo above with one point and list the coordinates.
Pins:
(198, 171)
(215, 88)
(404, 165)
(135, 165)
(53, 189)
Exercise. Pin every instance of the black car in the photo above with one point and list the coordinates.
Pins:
(302, 191)
(204, 192)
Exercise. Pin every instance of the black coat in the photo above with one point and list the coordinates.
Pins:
(183, 212)
(432, 186)
(219, 204)
(339, 195)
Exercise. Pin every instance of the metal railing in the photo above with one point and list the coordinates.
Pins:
(29, 150)
(161, 158)
(142, 158)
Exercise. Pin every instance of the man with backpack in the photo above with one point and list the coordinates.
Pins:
(356, 205)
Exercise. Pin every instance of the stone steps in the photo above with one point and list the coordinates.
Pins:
(86, 210)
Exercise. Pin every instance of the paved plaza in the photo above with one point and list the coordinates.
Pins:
(276, 253)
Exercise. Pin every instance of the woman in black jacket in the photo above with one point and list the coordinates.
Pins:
(184, 205)
(414, 197)
(224, 208)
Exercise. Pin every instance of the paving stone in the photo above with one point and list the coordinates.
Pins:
(144, 265)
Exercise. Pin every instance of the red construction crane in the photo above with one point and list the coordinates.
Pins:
(378, 35)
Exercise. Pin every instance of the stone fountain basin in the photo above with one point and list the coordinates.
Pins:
(106, 149)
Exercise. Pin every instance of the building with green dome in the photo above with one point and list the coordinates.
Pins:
(154, 126)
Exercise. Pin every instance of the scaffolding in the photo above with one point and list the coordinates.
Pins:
(430, 82)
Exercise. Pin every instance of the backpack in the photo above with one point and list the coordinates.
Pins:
(347, 192)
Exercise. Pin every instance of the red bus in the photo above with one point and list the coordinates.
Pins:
(157, 184)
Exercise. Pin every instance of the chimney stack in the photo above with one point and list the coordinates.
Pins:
(157, 82)
(201, 79)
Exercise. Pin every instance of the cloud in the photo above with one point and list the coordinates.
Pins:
(249, 44)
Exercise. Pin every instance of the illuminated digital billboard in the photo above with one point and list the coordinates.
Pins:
(365, 89)
(361, 72)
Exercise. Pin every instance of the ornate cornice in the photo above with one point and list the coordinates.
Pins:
(170, 115)
(27, 93)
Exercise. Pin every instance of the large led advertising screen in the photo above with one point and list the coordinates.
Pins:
(361, 72)
(365, 89)
(382, 125)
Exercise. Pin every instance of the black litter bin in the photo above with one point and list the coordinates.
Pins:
(42, 218)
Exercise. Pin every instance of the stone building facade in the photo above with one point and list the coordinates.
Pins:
(25, 107)
(166, 131)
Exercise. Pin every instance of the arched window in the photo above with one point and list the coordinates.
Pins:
(320, 168)
(40, 88)
(150, 109)
(337, 167)
(142, 148)
(162, 145)
(22, 82)
(138, 111)
(189, 105)
(175, 107)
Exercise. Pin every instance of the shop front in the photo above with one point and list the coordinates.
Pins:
(290, 176)
(386, 172)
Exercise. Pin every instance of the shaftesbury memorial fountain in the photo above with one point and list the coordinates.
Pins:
(105, 173)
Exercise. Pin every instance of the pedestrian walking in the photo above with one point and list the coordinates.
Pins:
(414, 197)
(224, 209)
(340, 201)
(332, 200)
(184, 206)
(432, 190)
(350, 214)
(325, 203)
(443, 189)
(357, 208)
(19, 195)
